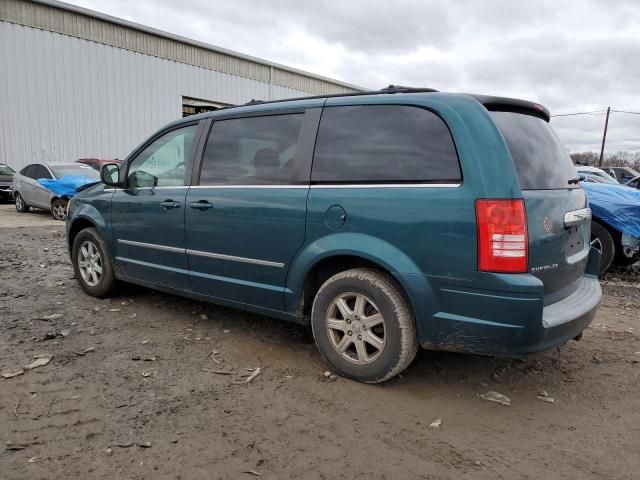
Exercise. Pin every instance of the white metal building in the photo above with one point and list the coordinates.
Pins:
(75, 83)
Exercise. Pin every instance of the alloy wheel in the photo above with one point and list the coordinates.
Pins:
(356, 328)
(90, 263)
(59, 211)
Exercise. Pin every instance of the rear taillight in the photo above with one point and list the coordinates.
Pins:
(503, 244)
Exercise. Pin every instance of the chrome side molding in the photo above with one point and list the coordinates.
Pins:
(199, 253)
(232, 258)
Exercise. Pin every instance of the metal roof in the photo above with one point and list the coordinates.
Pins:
(17, 11)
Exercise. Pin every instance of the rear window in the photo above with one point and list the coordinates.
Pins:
(541, 160)
(383, 144)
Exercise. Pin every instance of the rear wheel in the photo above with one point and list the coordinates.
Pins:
(21, 205)
(92, 264)
(59, 209)
(363, 325)
(598, 232)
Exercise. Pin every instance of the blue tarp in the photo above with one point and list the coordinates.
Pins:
(616, 205)
(66, 186)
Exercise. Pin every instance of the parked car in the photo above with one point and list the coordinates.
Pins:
(6, 179)
(615, 223)
(591, 178)
(96, 163)
(597, 173)
(622, 174)
(633, 183)
(387, 221)
(28, 192)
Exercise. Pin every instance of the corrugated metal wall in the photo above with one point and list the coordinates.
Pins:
(81, 23)
(64, 98)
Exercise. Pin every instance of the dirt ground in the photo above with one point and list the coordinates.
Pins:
(131, 391)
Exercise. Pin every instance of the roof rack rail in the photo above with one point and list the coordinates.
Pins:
(384, 91)
(402, 89)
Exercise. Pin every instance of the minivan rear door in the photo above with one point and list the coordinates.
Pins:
(558, 220)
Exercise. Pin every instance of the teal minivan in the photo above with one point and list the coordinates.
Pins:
(385, 220)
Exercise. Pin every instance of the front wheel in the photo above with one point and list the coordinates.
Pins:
(92, 264)
(21, 205)
(363, 325)
(59, 209)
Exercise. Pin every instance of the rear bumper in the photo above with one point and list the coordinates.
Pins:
(565, 319)
(509, 318)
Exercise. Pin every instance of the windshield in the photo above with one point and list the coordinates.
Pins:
(75, 170)
(5, 170)
(541, 160)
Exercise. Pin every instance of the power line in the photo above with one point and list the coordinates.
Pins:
(597, 112)
(626, 111)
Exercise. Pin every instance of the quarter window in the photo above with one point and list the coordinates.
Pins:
(39, 171)
(28, 171)
(163, 163)
(251, 151)
(382, 144)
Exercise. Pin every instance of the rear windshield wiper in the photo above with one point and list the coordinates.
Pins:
(575, 181)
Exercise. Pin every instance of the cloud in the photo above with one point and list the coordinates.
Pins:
(570, 56)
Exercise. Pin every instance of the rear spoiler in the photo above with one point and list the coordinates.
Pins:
(504, 104)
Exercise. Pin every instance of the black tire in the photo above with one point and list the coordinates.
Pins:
(398, 329)
(106, 283)
(608, 246)
(21, 205)
(59, 209)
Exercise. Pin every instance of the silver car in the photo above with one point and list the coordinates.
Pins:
(28, 192)
(6, 180)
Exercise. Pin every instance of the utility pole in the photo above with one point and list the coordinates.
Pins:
(604, 137)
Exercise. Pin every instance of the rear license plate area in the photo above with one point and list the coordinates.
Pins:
(575, 241)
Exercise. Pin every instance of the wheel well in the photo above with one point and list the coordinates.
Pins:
(76, 228)
(326, 268)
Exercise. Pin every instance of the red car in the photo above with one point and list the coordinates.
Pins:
(96, 163)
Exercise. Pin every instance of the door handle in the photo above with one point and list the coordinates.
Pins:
(201, 205)
(169, 204)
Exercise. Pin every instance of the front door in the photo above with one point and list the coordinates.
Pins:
(148, 214)
(246, 217)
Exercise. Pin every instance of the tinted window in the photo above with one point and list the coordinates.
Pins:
(251, 151)
(384, 143)
(540, 158)
(74, 170)
(40, 171)
(163, 162)
(27, 171)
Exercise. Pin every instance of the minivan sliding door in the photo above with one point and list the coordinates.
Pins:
(245, 218)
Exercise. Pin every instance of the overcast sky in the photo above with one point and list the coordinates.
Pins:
(571, 56)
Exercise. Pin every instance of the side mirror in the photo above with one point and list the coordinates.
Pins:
(110, 174)
(142, 179)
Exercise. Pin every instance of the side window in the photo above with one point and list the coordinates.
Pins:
(40, 172)
(163, 163)
(27, 171)
(384, 143)
(251, 151)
